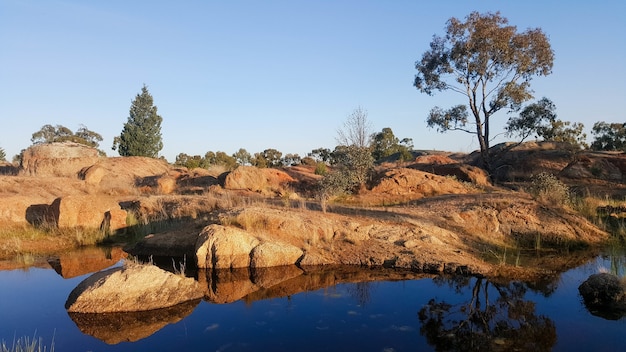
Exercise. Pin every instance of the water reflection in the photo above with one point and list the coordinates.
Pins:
(249, 285)
(465, 313)
(85, 260)
(113, 328)
(493, 316)
(226, 286)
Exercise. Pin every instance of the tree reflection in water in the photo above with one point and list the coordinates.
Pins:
(496, 317)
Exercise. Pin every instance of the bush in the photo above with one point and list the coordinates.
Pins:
(548, 188)
(321, 169)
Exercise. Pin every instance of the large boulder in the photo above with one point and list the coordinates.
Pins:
(595, 165)
(95, 212)
(265, 181)
(462, 172)
(270, 254)
(131, 288)
(224, 247)
(58, 159)
(604, 295)
(416, 184)
(128, 175)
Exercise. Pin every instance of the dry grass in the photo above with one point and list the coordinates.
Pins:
(614, 223)
(251, 221)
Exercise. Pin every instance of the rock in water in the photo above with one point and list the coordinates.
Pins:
(604, 295)
(131, 288)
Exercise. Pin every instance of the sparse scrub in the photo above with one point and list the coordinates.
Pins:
(546, 187)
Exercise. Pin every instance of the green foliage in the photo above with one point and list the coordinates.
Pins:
(540, 119)
(385, 144)
(242, 157)
(209, 159)
(321, 168)
(3, 155)
(291, 159)
(268, 158)
(222, 159)
(487, 61)
(564, 131)
(548, 188)
(58, 133)
(191, 162)
(609, 136)
(141, 135)
(352, 168)
(335, 183)
(320, 154)
(259, 160)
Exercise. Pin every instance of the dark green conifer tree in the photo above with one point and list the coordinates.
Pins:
(141, 135)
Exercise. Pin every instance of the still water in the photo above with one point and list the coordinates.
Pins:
(334, 311)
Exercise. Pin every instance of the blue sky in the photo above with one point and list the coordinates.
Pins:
(276, 74)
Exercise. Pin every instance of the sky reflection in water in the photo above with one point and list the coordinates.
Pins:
(377, 316)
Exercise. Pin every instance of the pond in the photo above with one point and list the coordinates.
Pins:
(338, 309)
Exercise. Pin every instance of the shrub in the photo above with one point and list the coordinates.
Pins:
(320, 168)
(548, 188)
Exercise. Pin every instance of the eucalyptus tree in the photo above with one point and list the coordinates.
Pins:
(490, 64)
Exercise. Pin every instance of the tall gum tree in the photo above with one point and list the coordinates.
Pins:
(486, 60)
(141, 135)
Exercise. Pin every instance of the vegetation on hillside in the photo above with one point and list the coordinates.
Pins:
(59, 133)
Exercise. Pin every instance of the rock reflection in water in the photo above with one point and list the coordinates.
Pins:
(85, 260)
(494, 317)
(113, 328)
(225, 286)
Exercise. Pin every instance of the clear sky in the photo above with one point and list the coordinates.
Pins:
(276, 74)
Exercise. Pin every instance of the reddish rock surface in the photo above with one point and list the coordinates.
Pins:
(57, 159)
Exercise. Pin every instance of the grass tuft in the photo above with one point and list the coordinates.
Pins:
(26, 344)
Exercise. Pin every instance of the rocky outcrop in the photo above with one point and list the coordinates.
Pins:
(443, 234)
(128, 175)
(58, 159)
(270, 254)
(595, 165)
(131, 288)
(95, 212)
(416, 184)
(266, 181)
(79, 211)
(604, 295)
(462, 172)
(223, 247)
(522, 161)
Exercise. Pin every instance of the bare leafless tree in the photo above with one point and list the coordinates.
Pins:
(356, 130)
